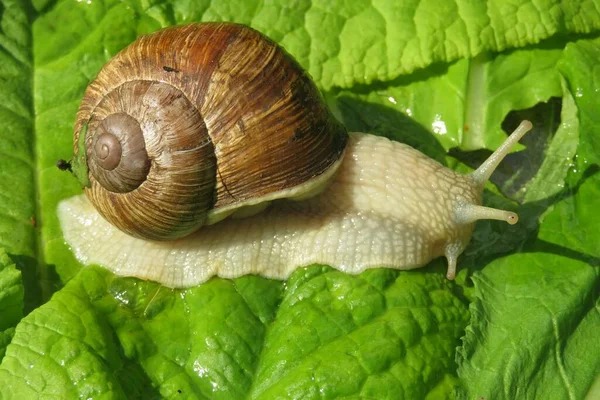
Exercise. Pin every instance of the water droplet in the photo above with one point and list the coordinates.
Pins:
(579, 92)
(438, 125)
(199, 369)
(408, 112)
(121, 296)
(392, 100)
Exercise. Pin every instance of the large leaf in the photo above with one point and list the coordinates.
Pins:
(345, 43)
(384, 334)
(521, 334)
(438, 75)
(18, 214)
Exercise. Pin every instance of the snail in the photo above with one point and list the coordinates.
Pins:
(206, 150)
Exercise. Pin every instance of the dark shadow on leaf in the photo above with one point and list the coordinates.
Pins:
(362, 116)
(134, 380)
(543, 246)
(518, 168)
(30, 272)
(38, 286)
(50, 282)
(558, 41)
(45, 8)
(422, 74)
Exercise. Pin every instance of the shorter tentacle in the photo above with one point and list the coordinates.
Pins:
(452, 256)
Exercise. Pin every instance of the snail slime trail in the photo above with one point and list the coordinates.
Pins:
(189, 178)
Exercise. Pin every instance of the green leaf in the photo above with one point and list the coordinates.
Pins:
(62, 350)
(521, 334)
(384, 334)
(18, 212)
(379, 335)
(11, 293)
(11, 300)
(532, 341)
(5, 338)
(463, 104)
(360, 42)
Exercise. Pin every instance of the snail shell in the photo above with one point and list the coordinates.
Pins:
(193, 123)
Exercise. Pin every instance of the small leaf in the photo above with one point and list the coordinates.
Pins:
(79, 163)
(11, 300)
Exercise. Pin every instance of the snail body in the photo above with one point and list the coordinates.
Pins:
(366, 202)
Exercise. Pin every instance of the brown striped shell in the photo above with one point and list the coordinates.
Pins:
(198, 118)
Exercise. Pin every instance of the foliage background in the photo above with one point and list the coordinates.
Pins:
(449, 78)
